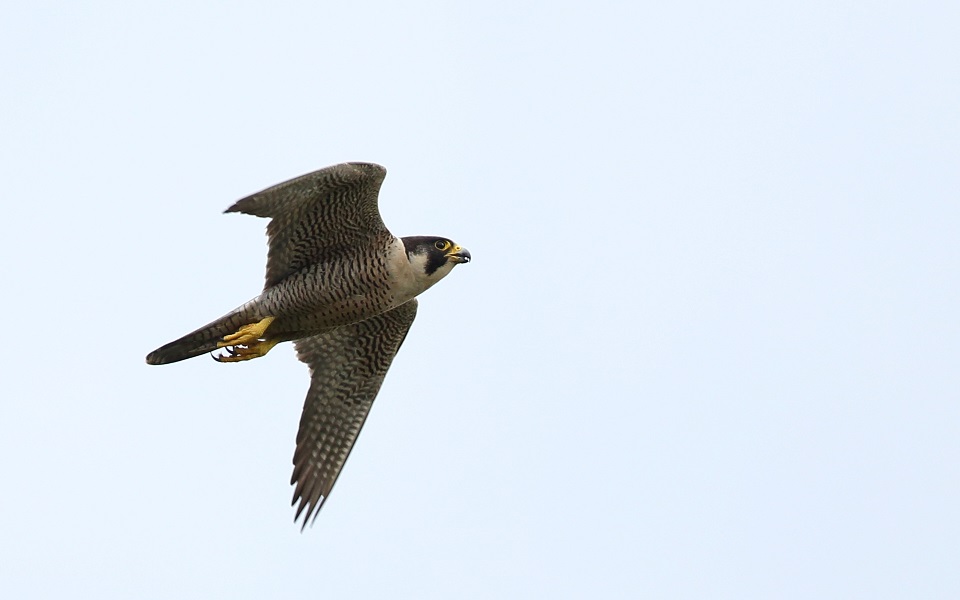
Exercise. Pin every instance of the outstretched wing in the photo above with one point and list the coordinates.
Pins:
(318, 214)
(347, 367)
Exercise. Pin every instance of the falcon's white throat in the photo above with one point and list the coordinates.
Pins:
(410, 272)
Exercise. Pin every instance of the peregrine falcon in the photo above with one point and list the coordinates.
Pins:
(343, 289)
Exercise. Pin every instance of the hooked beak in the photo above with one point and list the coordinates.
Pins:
(458, 255)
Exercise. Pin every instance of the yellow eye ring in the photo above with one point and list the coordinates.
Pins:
(441, 245)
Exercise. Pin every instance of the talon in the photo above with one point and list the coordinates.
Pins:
(246, 334)
(242, 352)
(227, 356)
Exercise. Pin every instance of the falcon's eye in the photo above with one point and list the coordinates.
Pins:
(441, 245)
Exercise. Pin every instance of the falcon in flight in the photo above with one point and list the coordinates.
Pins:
(343, 289)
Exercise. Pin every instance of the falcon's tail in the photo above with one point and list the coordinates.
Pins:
(202, 340)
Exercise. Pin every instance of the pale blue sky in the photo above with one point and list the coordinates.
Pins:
(708, 346)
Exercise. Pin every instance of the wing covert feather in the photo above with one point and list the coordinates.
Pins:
(317, 215)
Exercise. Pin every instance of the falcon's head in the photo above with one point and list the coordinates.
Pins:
(433, 257)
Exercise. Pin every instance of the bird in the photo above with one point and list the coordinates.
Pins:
(344, 290)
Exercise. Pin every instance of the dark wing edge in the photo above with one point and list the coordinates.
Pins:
(276, 199)
(317, 214)
(347, 368)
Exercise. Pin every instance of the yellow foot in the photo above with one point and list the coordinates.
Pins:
(247, 334)
(245, 351)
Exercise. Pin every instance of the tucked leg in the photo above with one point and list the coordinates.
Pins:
(247, 334)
